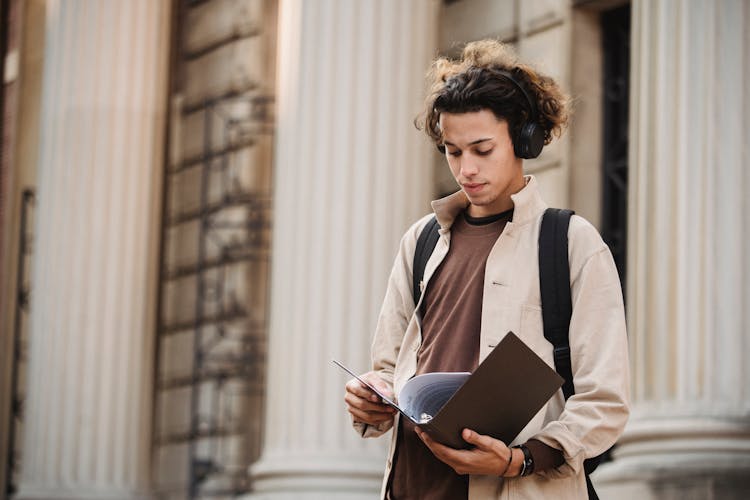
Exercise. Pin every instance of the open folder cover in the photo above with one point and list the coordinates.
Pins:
(502, 395)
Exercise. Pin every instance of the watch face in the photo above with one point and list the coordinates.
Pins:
(528, 462)
(527, 467)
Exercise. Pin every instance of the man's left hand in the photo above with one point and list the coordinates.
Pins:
(488, 457)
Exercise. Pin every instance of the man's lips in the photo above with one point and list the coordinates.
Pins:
(471, 187)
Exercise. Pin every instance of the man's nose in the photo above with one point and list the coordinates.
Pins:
(468, 168)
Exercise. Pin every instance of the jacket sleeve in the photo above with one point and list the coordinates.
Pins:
(395, 314)
(595, 416)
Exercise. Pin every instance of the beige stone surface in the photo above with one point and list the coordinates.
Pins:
(468, 20)
(538, 15)
(99, 185)
(351, 175)
(585, 132)
(231, 68)
(215, 22)
(687, 284)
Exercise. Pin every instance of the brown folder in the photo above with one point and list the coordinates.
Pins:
(502, 395)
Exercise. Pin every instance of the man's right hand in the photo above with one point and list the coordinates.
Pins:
(366, 406)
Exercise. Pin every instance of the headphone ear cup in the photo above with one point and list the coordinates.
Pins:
(530, 141)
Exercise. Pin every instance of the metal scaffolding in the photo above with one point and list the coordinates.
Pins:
(20, 343)
(227, 278)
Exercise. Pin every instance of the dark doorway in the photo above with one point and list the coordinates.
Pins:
(615, 26)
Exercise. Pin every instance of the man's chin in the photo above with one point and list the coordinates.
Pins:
(479, 201)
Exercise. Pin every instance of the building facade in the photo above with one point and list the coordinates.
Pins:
(201, 200)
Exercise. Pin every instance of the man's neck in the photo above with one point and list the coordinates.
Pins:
(488, 219)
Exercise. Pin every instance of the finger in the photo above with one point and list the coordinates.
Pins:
(427, 439)
(369, 417)
(378, 383)
(444, 453)
(479, 440)
(372, 414)
(368, 408)
(448, 456)
(381, 386)
(356, 387)
(366, 405)
(429, 442)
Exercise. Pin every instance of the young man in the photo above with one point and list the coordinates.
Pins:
(487, 112)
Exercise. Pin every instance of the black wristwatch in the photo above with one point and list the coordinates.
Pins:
(527, 468)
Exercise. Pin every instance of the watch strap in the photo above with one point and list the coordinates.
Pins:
(527, 467)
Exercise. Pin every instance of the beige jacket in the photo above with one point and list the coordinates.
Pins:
(591, 420)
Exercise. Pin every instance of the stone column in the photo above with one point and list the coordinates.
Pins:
(87, 427)
(689, 277)
(351, 174)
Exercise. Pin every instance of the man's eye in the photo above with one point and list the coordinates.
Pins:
(484, 153)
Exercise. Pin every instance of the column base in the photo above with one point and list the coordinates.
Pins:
(680, 459)
(316, 477)
(56, 493)
(653, 480)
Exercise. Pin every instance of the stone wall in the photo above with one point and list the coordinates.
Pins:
(216, 237)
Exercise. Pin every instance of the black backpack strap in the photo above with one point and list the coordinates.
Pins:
(554, 284)
(590, 488)
(557, 306)
(425, 246)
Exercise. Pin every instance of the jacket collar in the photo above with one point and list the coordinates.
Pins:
(527, 205)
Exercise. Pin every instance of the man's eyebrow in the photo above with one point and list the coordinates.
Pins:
(448, 143)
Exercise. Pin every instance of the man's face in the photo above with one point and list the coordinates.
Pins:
(480, 155)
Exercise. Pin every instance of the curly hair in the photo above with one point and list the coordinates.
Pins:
(476, 81)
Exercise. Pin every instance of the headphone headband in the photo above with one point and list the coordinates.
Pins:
(529, 141)
(532, 103)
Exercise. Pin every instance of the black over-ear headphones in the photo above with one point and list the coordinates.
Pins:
(529, 140)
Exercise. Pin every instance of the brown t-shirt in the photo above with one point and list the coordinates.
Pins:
(451, 322)
(452, 312)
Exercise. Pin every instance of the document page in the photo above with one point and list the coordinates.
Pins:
(424, 395)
